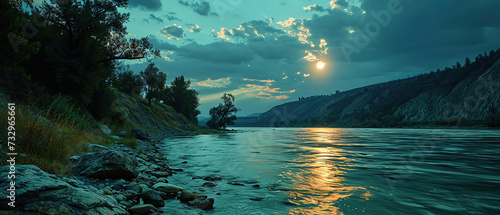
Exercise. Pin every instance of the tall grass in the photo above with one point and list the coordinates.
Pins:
(46, 143)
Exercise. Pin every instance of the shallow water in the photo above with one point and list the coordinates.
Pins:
(341, 171)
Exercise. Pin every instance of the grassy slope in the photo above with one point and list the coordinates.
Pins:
(47, 139)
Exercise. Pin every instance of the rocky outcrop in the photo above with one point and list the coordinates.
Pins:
(140, 134)
(38, 192)
(107, 164)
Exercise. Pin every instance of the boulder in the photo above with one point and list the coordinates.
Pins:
(197, 200)
(212, 177)
(209, 184)
(134, 186)
(140, 134)
(107, 164)
(150, 196)
(105, 129)
(38, 192)
(169, 189)
(142, 209)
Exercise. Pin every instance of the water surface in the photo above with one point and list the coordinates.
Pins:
(340, 171)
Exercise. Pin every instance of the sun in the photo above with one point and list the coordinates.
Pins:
(320, 65)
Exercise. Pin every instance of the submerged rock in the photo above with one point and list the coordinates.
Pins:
(169, 189)
(39, 192)
(197, 200)
(209, 184)
(142, 209)
(107, 164)
(212, 177)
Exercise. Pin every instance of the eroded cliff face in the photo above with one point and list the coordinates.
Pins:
(472, 98)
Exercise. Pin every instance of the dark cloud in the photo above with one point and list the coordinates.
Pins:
(173, 32)
(151, 5)
(171, 17)
(157, 19)
(315, 7)
(279, 48)
(217, 52)
(162, 45)
(203, 8)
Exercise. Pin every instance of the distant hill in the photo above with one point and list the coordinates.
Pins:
(460, 95)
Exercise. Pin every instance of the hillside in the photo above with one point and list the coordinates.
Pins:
(458, 96)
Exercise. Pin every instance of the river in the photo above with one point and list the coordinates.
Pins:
(340, 171)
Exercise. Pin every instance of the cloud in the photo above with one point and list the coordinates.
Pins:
(164, 46)
(173, 32)
(217, 52)
(195, 29)
(202, 8)
(268, 81)
(342, 4)
(149, 5)
(218, 83)
(314, 7)
(251, 29)
(157, 19)
(170, 16)
(280, 48)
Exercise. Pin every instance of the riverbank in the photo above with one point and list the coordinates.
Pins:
(111, 180)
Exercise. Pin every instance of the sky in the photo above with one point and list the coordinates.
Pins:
(265, 52)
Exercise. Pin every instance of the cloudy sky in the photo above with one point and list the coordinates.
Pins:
(265, 52)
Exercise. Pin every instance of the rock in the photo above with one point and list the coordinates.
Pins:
(150, 196)
(142, 209)
(235, 183)
(184, 162)
(257, 198)
(169, 189)
(204, 204)
(256, 186)
(122, 133)
(120, 197)
(107, 164)
(212, 177)
(196, 200)
(131, 195)
(209, 184)
(140, 134)
(105, 129)
(41, 191)
(93, 147)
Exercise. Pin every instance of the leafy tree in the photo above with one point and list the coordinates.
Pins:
(155, 82)
(81, 44)
(128, 82)
(467, 62)
(183, 99)
(221, 116)
(15, 48)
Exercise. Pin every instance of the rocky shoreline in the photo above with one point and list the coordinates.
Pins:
(114, 180)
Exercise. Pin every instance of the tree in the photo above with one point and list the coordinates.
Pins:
(221, 116)
(467, 62)
(81, 43)
(155, 82)
(184, 100)
(127, 82)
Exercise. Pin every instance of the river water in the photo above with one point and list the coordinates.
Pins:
(340, 171)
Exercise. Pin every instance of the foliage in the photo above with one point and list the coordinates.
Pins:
(155, 82)
(64, 109)
(221, 116)
(184, 100)
(15, 48)
(127, 82)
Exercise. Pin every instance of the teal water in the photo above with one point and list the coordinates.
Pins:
(341, 171)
